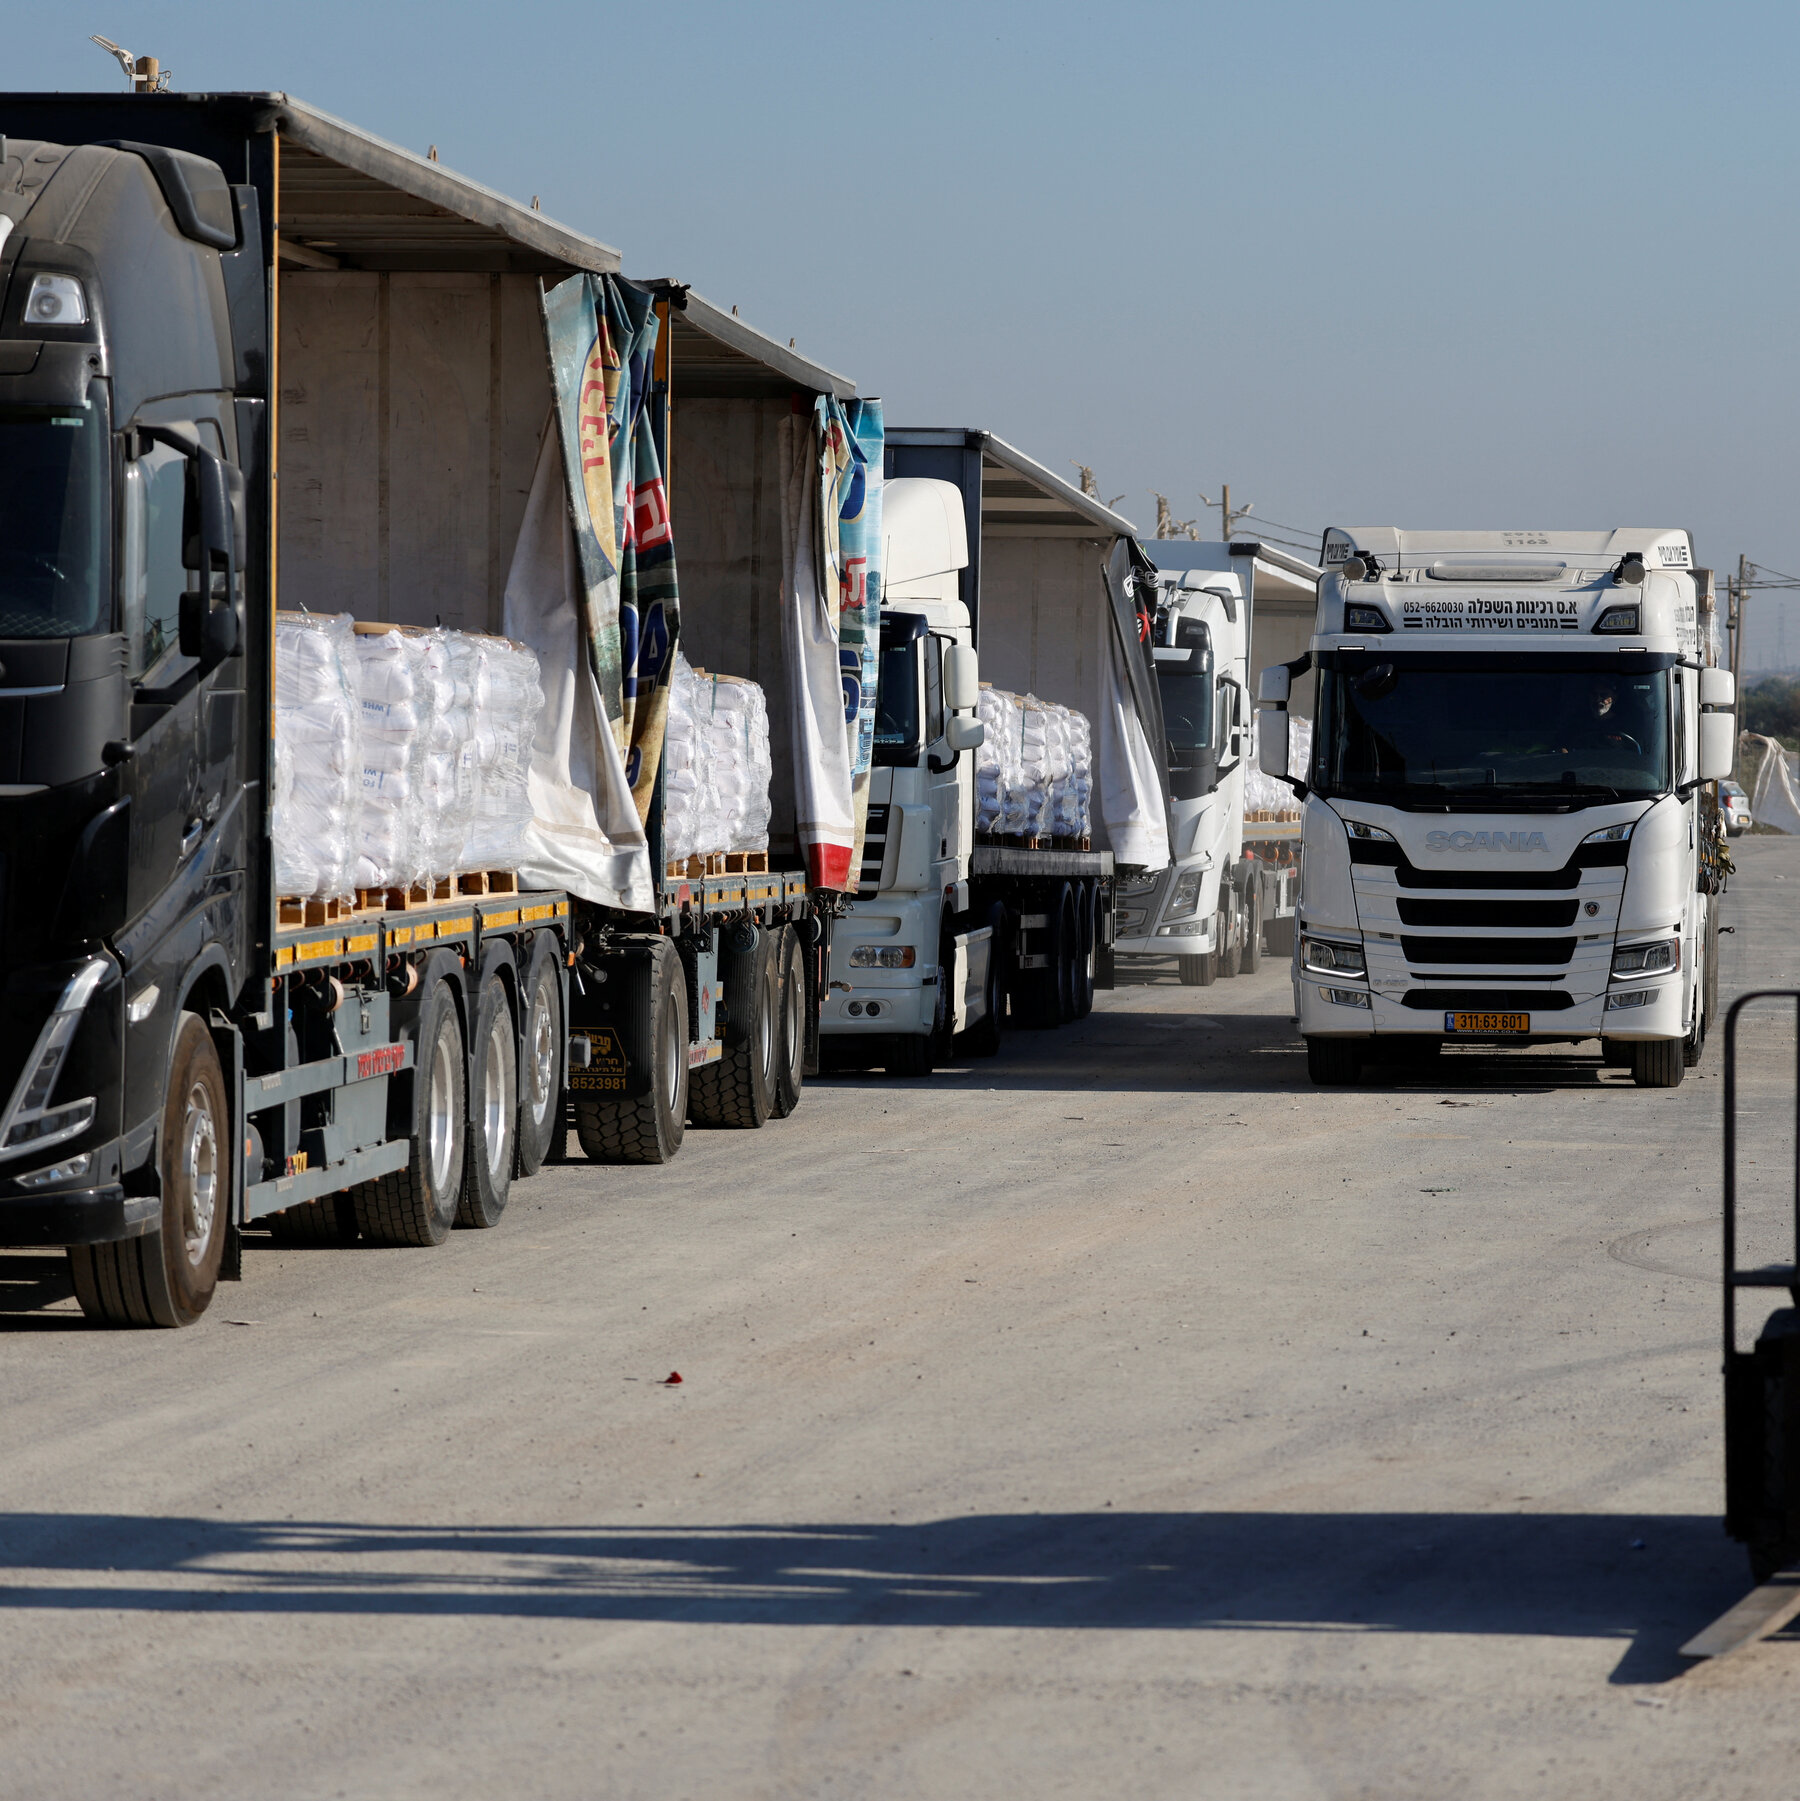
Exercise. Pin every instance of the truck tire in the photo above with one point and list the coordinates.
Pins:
(493, 1110)
(911, 1054)
(417, 1205)
(1039, 995)
(647, 1129)
(790, 1034)
(982, 1039)
(739, 1090)
(541, 1094)
(1198, 972)
(1068, 954)
(1086, 902)
(330, 1220)
(1253, 926)
(1334, 1062)
(1230, 931)
(167, 1276)
(1657, 1063)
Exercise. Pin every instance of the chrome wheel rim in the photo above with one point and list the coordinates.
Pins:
(793, 1025)
(497, 1100)
(765, 1041)
(200, 1173)
(542, 1051)
(441, 1110)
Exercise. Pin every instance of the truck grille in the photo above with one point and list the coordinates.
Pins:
(1484, 951)
(1511, 925)
(874, 851)
(1486, 914)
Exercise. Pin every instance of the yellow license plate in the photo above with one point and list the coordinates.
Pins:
(1487, 1022)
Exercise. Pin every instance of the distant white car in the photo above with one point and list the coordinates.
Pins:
(1735, 804)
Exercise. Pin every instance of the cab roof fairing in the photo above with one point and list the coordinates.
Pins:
(1664, 547)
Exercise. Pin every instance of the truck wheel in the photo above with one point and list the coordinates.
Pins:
(1280, 936)
(1230, 928)
(1657, 1063)
(1086, 902)
(1069, 959)
(1253, 926)
(982, 1039)
(1039, 995)
(167, 1276)
(1695, 1042)
(330, 1220)
(1198, 972)
(739, 1090)
(649, 1128)
(493, 1111)
(1334, 1062)
(790, 1034)
(541, 1102)
(418, 1204)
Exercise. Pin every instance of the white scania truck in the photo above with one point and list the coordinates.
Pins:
(1231, 886)
(1505, 825)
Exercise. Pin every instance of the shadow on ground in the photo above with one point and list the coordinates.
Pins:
(1150, 1052)
(1651, 1581)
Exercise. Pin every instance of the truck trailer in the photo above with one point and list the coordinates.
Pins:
(1507, 830)
(997, 571)
(251, 358)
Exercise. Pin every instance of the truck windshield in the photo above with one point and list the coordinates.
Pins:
(53, 520)
(897, 706)
(1187, 703)
(1423, 730)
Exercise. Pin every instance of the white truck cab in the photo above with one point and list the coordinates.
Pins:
(1506, 831)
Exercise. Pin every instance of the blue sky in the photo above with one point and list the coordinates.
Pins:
(1520, 265)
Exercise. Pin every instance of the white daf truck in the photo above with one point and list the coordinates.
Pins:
(1505, 830)
(1231, 888)
(986, 552)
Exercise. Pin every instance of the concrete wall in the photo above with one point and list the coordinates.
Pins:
(410, 409)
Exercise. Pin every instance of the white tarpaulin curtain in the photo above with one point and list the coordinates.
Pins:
(824, 817)
(1127, 789)
(1776, 801)
(585, 835)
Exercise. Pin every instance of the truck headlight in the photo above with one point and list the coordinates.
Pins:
(1647, 959)
(1327, 954)
(1186, 898)
(1610, 834)
(883, 956)
(56, 300)
(1367, 833)
(30, 1123)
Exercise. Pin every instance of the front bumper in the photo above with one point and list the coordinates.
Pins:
(1192, 938)
(77, 1216)
(1585, 1017)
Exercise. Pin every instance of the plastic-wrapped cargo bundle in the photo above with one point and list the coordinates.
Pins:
(687, 764)
(1074, 792)
(508, 699)
(394, 697)
(996, 761)
(318, 769)
(716, 765)
(450, 671)
(1028, 806)
(741, 765)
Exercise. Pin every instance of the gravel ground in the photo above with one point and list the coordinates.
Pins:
(1119, 1417)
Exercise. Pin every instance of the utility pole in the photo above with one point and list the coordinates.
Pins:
(1227, 518)
(1739, 591)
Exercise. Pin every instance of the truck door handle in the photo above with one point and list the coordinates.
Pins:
(190, 839)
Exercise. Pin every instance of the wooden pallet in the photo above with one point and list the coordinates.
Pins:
(308, 910)
(693, 869)
(487, 881)
(746, 862)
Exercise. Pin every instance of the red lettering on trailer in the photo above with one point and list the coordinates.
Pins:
(383, 1062)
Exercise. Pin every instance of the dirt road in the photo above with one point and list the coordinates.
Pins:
(1121, 1417)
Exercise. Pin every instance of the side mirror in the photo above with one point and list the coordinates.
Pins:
(1718, 688)
(962, 733)
(1272, 735)
(962, 684)
(1272, 687)
(1718, 742)
(213, 518)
